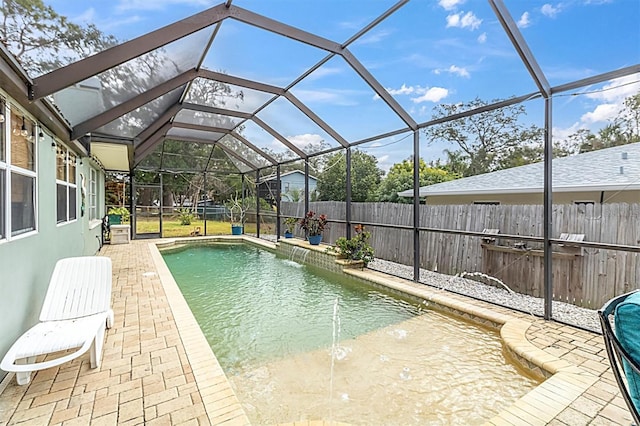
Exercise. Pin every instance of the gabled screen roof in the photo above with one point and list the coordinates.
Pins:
(245, 85)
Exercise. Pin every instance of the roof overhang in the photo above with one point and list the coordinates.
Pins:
(113, 156)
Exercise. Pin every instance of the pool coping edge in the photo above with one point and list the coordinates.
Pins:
(563, 381)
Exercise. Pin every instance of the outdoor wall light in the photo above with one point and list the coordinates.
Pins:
(40, 133)
(23, 130)
(32, 136)
(1, 112)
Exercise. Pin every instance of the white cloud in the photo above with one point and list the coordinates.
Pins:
(560, 134)
(549, 10)
(610, 101)
(462, 72)
(602, 113)
(403, 90)
(324, 71)
(482, 38)
(453, 69)
(330, 96)
(374, 37)
(464, 20)
(524, 20)
(423, 94)
(618, 89)
(433, 94)
(450, 4)
(301, 141)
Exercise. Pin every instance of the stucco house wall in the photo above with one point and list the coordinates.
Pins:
(27, 260)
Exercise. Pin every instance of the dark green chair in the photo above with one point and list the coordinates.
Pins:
(623, 345)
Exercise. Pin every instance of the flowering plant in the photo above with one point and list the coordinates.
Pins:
(313, 224)
(357, 247)
(290, 223)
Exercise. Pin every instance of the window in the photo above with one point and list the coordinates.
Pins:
(17, 174)
(489, 203)
(93, 194)
(66, 188)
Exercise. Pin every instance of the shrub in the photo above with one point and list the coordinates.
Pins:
(185, 216)
(122, 211)
(357, 247)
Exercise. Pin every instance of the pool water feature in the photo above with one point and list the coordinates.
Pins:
(270, 324)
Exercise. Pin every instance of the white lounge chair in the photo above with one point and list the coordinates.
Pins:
(76, 310)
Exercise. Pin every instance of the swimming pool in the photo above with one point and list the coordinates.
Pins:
(269, 322)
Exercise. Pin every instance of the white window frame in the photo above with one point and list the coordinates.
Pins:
(10, 170)
(92, 196)
(69, 157)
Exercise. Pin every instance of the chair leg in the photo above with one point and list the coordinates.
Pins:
(96, 348)
(110, 319)
(24, 378)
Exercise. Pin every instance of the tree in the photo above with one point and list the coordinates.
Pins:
(43, 40)
(365, 177)
(400, 178)
(486, 140)
(623, 129)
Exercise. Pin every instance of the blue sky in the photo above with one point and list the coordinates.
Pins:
(428, 52)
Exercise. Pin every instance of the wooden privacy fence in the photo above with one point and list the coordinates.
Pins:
(586, 277)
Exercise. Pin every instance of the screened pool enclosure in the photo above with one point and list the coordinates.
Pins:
(195, 99)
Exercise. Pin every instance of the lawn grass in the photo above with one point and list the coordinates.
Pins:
(172, 227)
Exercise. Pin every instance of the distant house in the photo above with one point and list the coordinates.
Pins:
(609, 175)
(291, 186)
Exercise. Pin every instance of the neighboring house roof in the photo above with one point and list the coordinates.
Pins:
(272, 177)
(604, 169)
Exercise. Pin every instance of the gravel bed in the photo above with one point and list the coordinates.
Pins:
(563, 312)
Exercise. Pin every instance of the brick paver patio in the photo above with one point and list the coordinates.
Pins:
(157, 368)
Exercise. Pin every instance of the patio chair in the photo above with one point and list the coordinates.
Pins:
(75, 313)
(623, 346)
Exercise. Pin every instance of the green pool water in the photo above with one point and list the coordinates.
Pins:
(270, 324)
(254, 306)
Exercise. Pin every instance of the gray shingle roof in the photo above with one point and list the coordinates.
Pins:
(604, 169)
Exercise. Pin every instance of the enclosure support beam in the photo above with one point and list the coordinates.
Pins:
(257, 203)
(511, 28)
(548, 211)
(348, 193)
(160, 202)
(205, 198)
(132, 222)
(306, 188)
(78, 71)
(416, 205)
(278, 213)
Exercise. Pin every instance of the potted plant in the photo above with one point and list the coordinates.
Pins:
(314, 225)
(356, 248)
(289, 226)
(117, 215)
(237, 209)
